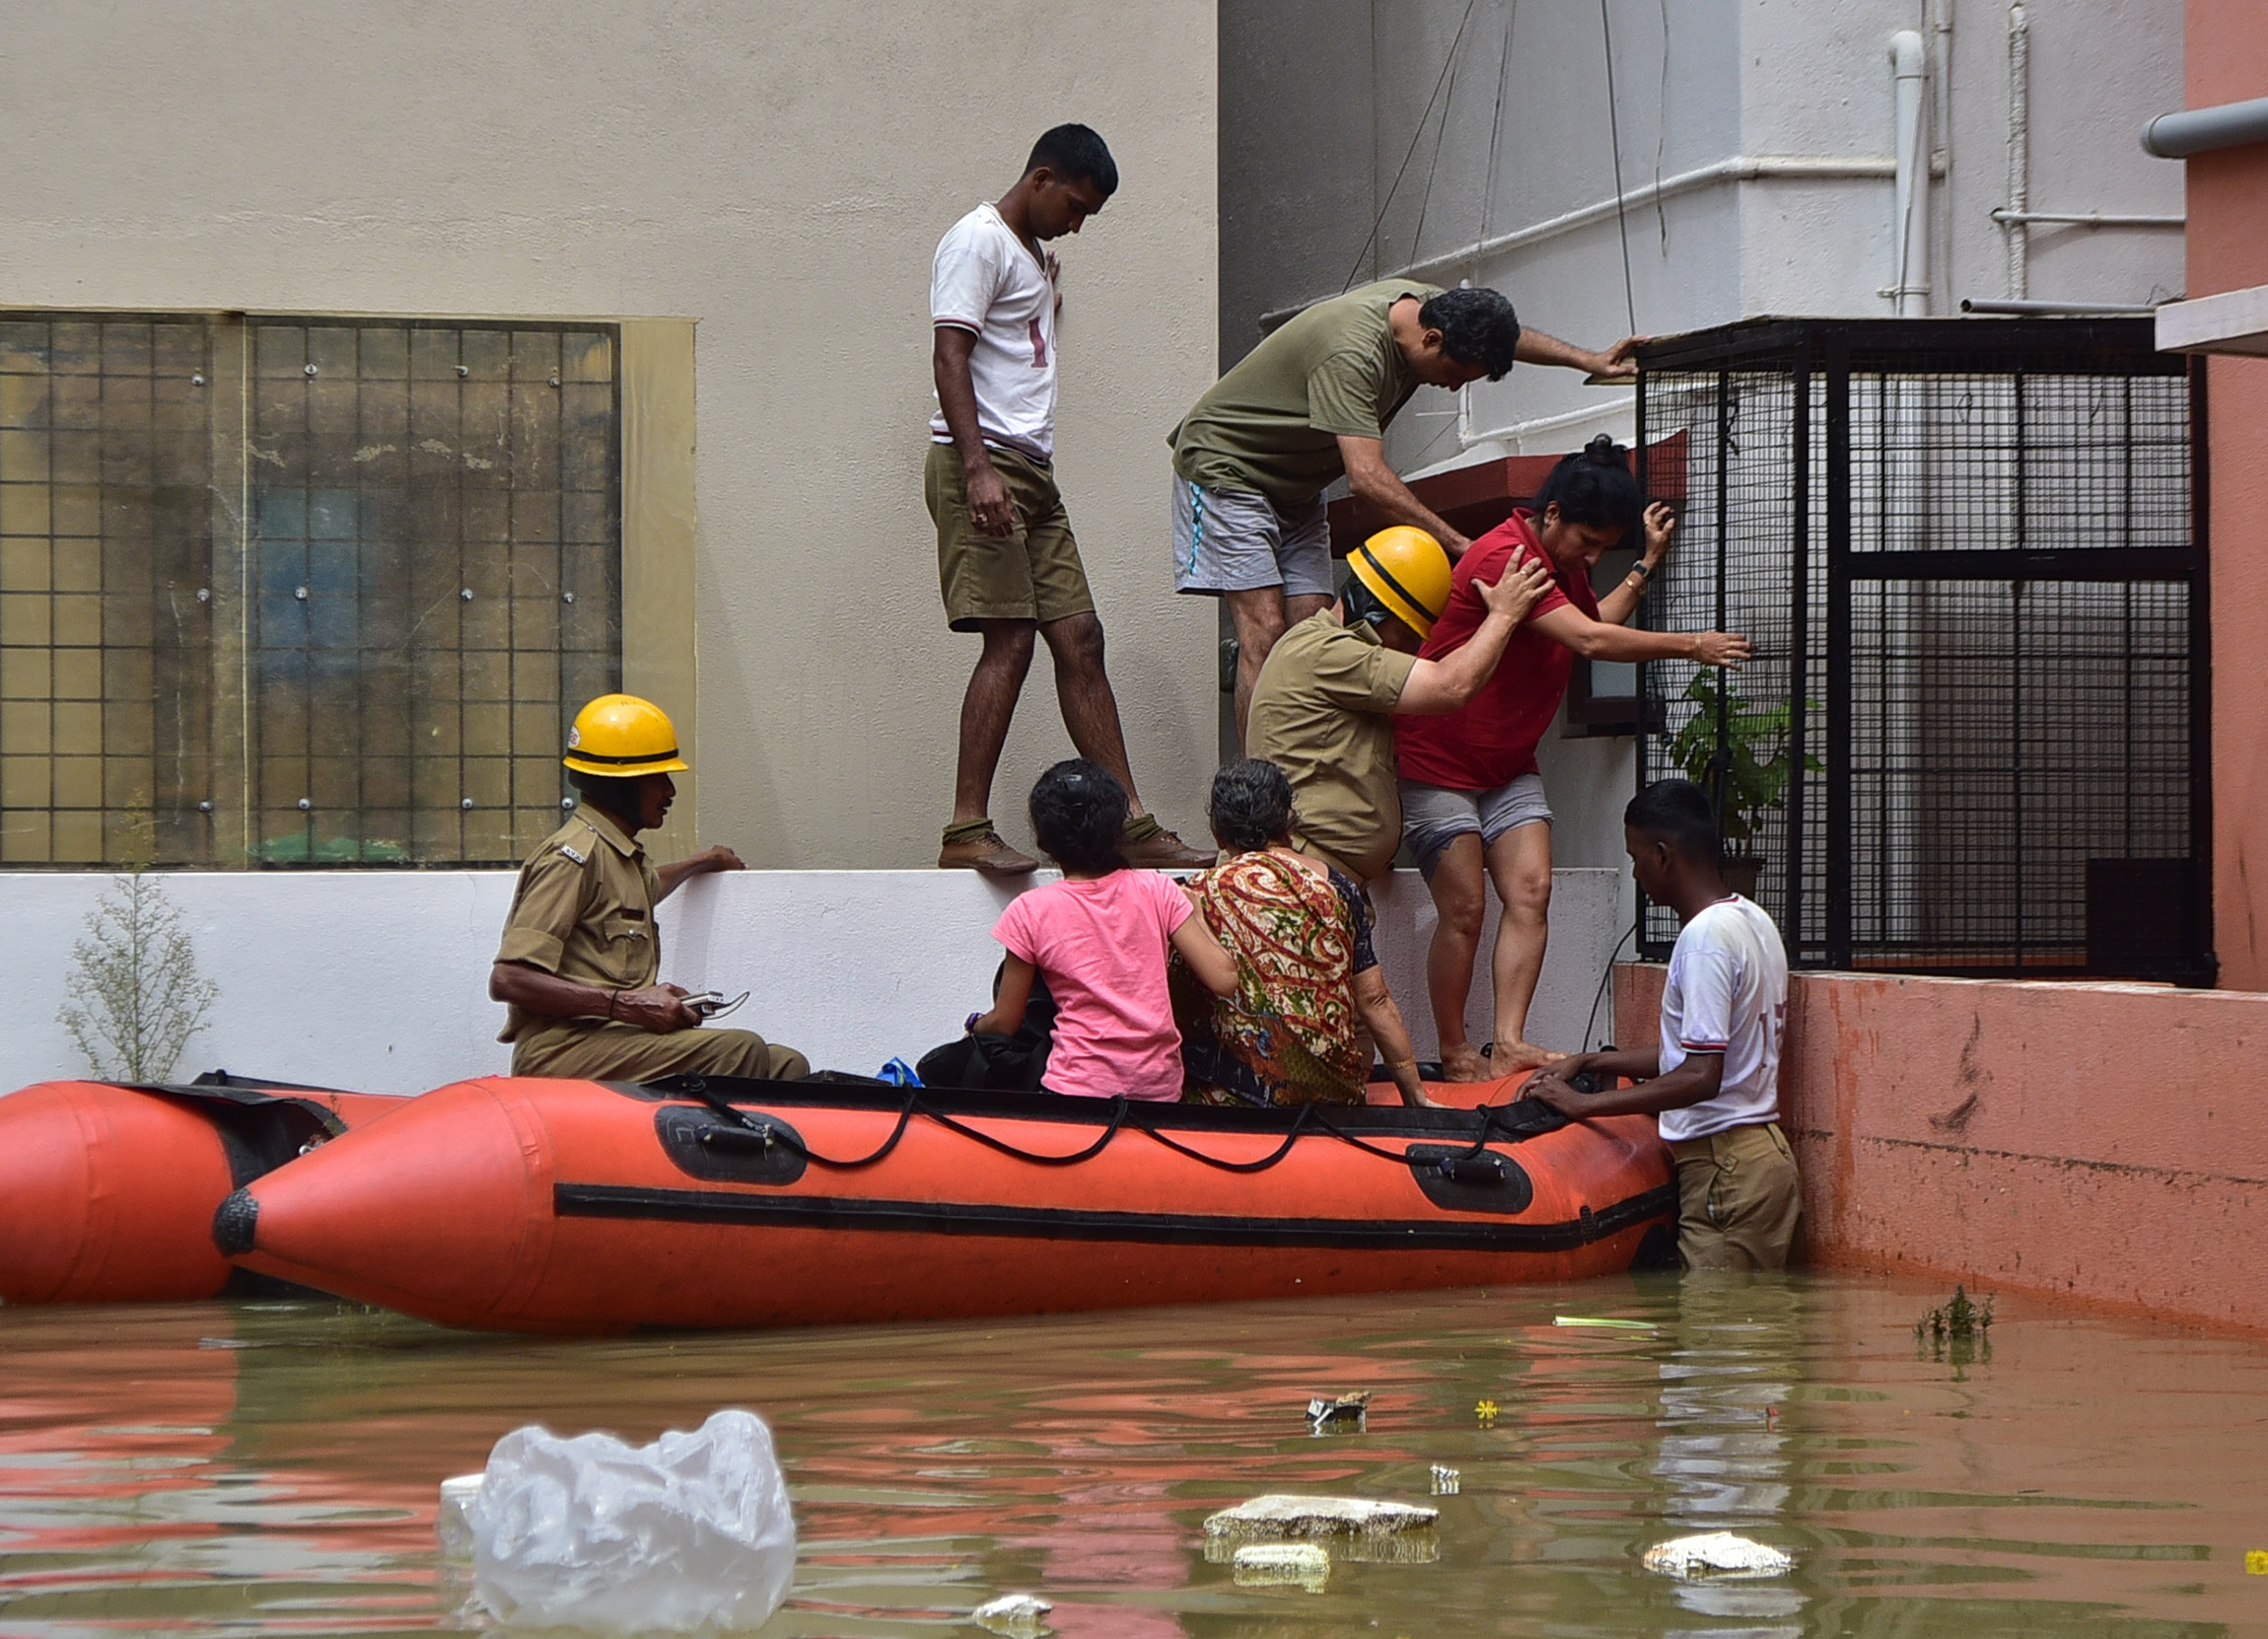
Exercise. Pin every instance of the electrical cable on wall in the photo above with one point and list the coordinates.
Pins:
(1614, 133)
(1448, 62)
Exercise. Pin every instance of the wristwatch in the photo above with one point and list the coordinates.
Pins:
(1643, 570)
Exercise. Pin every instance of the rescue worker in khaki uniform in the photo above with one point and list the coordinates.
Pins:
(1324, 703)
(581, 952)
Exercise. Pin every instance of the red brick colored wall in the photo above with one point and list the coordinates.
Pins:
(2103, 1142)
(2226, 49)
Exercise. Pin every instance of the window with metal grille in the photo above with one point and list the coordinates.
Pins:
(1973, 562)
(282, 590)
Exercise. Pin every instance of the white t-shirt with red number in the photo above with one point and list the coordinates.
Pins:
(1727, 993)
(985, 281)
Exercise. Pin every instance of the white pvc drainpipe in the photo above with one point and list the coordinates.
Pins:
(1910, 289)
(2018, 154)
(1739, 168)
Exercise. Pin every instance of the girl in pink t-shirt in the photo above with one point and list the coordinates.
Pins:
(1100, 936)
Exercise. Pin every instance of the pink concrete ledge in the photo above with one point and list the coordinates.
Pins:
(2106, 1143)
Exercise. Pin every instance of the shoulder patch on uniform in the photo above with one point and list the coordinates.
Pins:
(571, 853)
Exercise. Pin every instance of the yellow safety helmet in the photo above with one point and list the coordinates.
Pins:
(623, 736)
(1406, 571)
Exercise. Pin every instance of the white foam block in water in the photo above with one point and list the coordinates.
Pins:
(1015, 1614)
(459, 1509)
(1716, 1553)
(1275, 1564)
(1281, 1515)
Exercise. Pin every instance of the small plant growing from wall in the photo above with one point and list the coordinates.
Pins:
(1756, 757)
(135, 994)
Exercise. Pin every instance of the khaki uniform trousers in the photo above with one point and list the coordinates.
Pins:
(605, 1051)
(1737, 1198)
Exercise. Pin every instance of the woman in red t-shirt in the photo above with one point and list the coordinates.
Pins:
(1472, 801)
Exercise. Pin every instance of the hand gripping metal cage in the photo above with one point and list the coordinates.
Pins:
(1972, 556)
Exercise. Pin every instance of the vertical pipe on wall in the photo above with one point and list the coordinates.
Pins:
(1910, 57)
(2019, 149)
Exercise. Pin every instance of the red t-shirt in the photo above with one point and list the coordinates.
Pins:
(1492, 737)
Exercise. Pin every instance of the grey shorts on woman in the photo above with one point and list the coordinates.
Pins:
(1434, 816)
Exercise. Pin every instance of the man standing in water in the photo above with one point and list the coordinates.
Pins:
(1006, 560)
(1715, 1080)
(1311, 402)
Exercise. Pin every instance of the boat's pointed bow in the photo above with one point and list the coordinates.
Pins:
(443, 1209)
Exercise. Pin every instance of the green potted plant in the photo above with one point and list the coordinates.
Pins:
(1754, 767)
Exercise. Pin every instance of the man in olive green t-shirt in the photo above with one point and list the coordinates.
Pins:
(1252, 458)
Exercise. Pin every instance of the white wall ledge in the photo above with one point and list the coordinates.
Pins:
(2233, 321)
(378, 981)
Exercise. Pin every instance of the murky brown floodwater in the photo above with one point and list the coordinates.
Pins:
(272, 1468)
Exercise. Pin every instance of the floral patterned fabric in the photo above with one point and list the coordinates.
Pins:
(1290, 1034)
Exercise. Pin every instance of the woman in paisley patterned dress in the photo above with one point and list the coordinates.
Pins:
(1309, 986)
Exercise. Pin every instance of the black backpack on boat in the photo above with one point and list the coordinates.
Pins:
(998, 1063)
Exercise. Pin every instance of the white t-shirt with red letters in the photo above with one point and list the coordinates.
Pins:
(984, 280)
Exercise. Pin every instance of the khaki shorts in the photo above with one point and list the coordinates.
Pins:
(1033, 574)
(599, 1050)
(1737, 1198)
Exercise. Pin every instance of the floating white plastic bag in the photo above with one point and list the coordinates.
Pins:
(688, 1533)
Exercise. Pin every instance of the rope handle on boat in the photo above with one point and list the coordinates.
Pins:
(1490, 1118)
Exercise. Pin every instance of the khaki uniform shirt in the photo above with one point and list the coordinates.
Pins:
(1272, 424)
(585, 911)
(1323, 711)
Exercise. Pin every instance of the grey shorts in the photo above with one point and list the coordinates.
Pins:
(1233, 540)
(1434, 816)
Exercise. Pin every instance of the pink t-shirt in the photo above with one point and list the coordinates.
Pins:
(1101, 945)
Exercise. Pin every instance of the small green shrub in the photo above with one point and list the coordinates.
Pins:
(135, 994)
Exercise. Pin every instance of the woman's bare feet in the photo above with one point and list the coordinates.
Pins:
(1465, 1064)
(1513, 1058)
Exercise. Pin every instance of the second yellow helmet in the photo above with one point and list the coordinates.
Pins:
(625, 736)
(1407, 571)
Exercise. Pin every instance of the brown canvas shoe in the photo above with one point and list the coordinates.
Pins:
(1161, 850)
(986, 853)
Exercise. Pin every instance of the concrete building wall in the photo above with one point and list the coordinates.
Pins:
(1996, 1133)
(780, 172)
(1696, 84)
(853, 967)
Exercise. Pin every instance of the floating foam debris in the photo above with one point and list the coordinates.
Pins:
(1716, 1553)
(1279, 1516)
(1339, 1413)
(1016, 1615)
(1602, 1323)
(1445, 1480)
(453, 1521)
(1281, 1564)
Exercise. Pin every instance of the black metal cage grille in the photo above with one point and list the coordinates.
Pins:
(1970, 556)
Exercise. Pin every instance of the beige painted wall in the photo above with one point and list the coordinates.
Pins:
(781, 173)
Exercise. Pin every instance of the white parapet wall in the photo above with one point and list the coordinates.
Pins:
(378, 981)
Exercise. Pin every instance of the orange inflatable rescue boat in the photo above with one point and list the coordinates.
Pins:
(573, 1206)
(107, 1191)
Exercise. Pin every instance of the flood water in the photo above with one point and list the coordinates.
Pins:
(271, 1467)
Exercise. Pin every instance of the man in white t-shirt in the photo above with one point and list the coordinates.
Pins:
(1715, 1080)
(1007, 563)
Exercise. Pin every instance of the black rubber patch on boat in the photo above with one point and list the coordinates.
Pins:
(1451, 1176)
(235, 1222)
(702, 1144)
